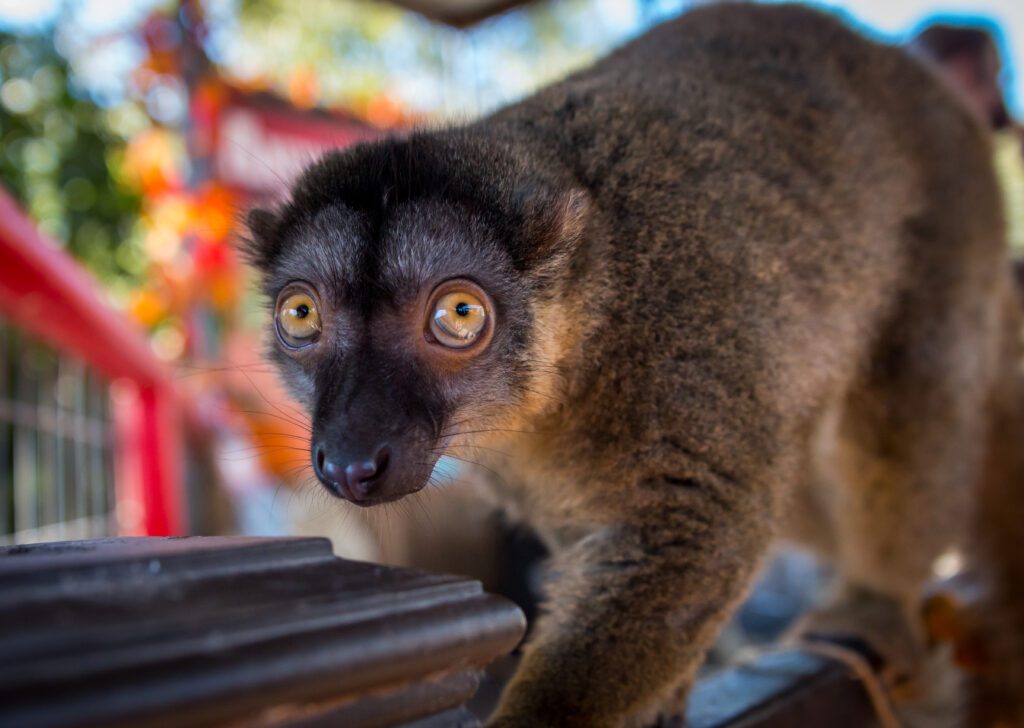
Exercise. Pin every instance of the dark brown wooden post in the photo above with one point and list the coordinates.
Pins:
(237, 631)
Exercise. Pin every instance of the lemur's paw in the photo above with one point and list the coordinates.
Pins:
(920, 680)
(876, 625)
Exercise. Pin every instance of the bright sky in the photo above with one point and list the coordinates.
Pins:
(893, 19)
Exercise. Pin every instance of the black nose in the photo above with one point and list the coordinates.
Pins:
(357, 478)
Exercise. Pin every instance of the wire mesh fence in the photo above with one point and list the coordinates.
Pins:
(56, 445)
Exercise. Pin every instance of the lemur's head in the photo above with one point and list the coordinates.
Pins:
(415, 287)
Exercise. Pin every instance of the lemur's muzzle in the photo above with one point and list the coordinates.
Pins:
(359, 478)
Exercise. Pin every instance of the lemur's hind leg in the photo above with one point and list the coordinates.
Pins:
(894, 517)
(903, 460)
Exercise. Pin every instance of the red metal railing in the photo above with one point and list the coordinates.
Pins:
(45, 293)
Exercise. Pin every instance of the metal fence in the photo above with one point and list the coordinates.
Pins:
(59, 420)
(56, 445)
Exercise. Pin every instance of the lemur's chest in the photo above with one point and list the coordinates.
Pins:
(536, 479)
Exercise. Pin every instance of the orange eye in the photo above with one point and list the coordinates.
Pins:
(297, 317)
(458, 318)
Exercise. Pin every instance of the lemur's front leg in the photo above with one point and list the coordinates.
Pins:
(637, 603)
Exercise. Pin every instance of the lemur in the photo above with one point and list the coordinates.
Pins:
(745, 278)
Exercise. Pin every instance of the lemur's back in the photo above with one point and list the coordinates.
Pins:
(781, 98)
(764, 168)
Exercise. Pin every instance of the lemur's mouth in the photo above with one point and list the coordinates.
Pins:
(370, 502)
(343, 491)
(381, 474)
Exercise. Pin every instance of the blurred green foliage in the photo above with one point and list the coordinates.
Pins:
(1009, 149)
(58, 157)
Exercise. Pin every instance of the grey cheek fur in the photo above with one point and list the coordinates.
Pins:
(298, 382)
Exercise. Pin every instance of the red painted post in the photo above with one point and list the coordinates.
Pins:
(148, 423)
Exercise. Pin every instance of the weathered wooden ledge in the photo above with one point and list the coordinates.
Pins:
(237, 631)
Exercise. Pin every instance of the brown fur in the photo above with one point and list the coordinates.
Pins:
(784, 307)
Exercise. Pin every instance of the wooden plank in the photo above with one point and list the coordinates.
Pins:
(231, 631)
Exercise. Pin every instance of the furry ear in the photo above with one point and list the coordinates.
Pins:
(556, 230)
(260, 247)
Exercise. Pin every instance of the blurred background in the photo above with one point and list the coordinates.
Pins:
(134, 399)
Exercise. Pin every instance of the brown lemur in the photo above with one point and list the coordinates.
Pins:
(744, 278)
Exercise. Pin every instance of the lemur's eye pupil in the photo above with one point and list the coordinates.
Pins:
(459, 318)
(297, 318)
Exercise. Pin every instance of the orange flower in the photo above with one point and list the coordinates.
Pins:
(223, 290)
(384, 111)
(172, 211)
(147, 307)
(303, 87)
(153, 160)
(215, 212)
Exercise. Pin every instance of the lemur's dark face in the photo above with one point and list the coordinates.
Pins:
(404, 324)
